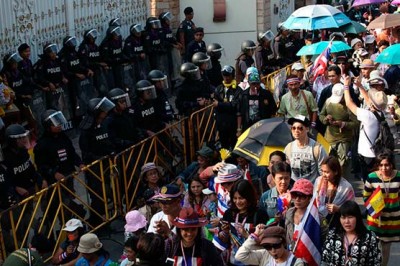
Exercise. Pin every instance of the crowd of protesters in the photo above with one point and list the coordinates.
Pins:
(215, 212)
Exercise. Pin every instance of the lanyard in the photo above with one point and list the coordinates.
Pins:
(347, 247)
(183, 253)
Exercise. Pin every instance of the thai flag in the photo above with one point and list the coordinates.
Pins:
(321, 63)
(308, 245)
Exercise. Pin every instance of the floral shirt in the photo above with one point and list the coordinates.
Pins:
(364, 251)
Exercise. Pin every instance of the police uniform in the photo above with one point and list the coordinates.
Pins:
(214, 74)
(156, 50)
(111, 52)
(162, 104)
(195, 47)
(133, 49)
(243, 62)
(188, 93)
(265, 60)
(187, 27)
(147, 116)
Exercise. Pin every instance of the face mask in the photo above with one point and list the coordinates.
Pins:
(71, 237)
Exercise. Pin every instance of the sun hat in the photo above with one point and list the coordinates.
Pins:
(150, 166)
(299, 118)
(378, 99)
(354, 41)
(188, 218)
(375, 78)
(298, 66)
(72, 225)
(337, 93)
(134, 221)
(367, 63)
(167, 193)
(89, 243)
(205, 151)
(228, 173)
(271, 233)
(303, 186)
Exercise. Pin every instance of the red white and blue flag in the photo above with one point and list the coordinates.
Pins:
(308, 245)
(321, 62)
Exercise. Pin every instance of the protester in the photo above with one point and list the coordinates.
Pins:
(150, 250)
(92, 251)
(254, 173)
(130, 251)
(188, 247)
(350, 243)
(267, 246)
(135, 225)
(195, 198)
(274, 157)
(386, 225)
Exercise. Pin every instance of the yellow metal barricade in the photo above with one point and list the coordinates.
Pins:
(165, 149)
(202, 128)
(48, 210)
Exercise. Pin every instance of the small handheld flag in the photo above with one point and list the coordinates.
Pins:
(375, 203)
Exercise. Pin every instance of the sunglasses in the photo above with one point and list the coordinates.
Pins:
(273, 246)
(298, 128)
(296, 195)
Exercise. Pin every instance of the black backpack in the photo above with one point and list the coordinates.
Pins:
(384, 140)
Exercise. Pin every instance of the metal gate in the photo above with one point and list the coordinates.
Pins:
(40, 22)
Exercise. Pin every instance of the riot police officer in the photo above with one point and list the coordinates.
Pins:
(192, 93)
(89, 55)
(244, 59)
(264, 54)
(111, 52)
(80, 85)
(123, 132)
(49, 74)
(135, 52)
(160, 82)
(214, 50)
(95, 142)
(185, 33)
(203, 62)
(155, 45)
(147, 115)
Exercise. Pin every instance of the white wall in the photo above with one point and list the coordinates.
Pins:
(240, 24)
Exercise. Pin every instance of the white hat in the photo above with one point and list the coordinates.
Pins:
(72, 225)
(89, 243)
(378, 99)
(207, 191)
(375, 78)
(298, 66)
(369, 39)
(337, 93)
(354, 41)
(228, 173)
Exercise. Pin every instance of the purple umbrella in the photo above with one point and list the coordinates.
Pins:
(367, 2)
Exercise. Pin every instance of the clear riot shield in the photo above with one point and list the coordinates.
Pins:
(129, 77)
(85, 92)
(59, 100)
(38, 107)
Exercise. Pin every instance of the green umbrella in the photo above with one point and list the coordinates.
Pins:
(390, 55)
(319, 47)
(353, 27)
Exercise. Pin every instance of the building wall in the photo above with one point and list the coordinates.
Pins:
(159, 6)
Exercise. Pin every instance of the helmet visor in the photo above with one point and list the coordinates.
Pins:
(149, 92)
(116, 31)
(167, 16)
(155, 24)
(194, 74)
(72, 42)
(161, 83)
(122, 99)
(51, 48)
(14, 58)
(227, 71)
(105, 105)
(56, 119)
(267, 36)
(92, 33)
(115, 22)
(207, 62)
(136, 28)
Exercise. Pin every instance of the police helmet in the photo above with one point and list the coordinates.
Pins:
(136, 28)
(190, 71)
(53, 118)
(228, 71)
(11, 58)
(115, 22)
(145, 85)
(97, 105)
(15, 131)
(266, 36)
(90, 34)
(201, 58)
(248, 45)
(153, 23)
(50, 48)
(214, 50)
(158, 76)
(117, 94)
(165, 16)
(70, 42)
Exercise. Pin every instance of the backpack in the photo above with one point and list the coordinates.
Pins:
(384, 140)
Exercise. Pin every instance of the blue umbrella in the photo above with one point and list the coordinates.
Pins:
(319, 47)
(390, 55)
(314, 17)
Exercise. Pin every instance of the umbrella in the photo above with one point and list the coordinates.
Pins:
(385, 21)
(395, 2)
(367, 2)
(314, 17)
(319, 47)
(264, 137)
(390, 55)
(353, 27)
